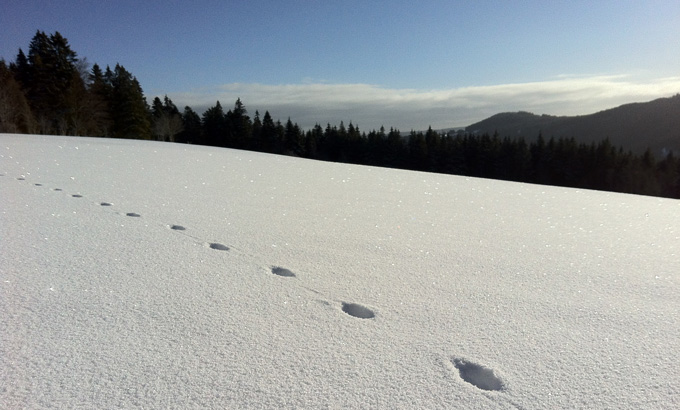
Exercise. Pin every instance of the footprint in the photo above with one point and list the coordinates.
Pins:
(58, 189)
(177, 227)
(21, 179)
(132, 214)
(356, 310)
(105, 204)
(282, 272)
(218, 246)
(77, 196)
(479, 376)
(37, 184)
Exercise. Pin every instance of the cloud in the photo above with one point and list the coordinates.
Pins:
(370, 106)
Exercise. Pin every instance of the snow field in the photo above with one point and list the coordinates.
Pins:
(142, 274)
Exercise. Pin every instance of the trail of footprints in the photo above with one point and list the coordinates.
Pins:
(353, 309)
(477, 375)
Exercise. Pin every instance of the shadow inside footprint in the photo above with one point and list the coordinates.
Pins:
(282, 272)
(356, 310)
(177, 227)
(132, 214)
(77, 196)
(478, 375)
(219, 247)
(58, 189)
(105, 204)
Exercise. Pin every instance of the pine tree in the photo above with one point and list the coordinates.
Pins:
(290, 143)
(166, 119)
(100, 94)
(15, 114)
(312, 140)
(51, 80)
(214, 126)
(22, 70)
(417, 147)
(130, 112)
(268, 135)
(395, 149)
(239, 126)
(256, 134)
(191, 128)
(433, 142)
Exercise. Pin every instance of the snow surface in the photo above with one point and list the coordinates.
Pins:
(158, 275)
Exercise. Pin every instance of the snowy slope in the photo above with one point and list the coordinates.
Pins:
(540, 297)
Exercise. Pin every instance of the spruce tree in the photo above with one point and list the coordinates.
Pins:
(239, 126)
(191, 127)
(214, 126)
(166, 119)
(52, 82)
(130, 112)
(268, 133)
(15, 114)
(100, 93)
(256, 134)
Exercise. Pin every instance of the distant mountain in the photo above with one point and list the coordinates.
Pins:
(635, 127)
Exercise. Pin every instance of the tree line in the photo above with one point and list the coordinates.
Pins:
(51, 91)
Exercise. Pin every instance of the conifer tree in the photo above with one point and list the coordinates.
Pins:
(312, 140)
(268, 133)
(51, 81)
(15, 114)
(100, 91)
(239, 126)
(129, 109)
(191, 127)
(214, 126)
(166, 119)
(256, 134)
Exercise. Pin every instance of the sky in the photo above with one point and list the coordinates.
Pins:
(258, 281)
(394, 63)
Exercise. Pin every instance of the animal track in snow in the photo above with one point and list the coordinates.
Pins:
(21, 179)
(276, 270)
(218, 246)
(353, 309)
(357, 310)
(477, 375)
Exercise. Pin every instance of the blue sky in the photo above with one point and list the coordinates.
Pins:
(395, 63)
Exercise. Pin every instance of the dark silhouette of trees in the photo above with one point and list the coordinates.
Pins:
(214, 124)
(192, 131)
(99, 100)
(256, 133)
(129, 111)
(15, 113)
(167, 121)
(51, 82)
(238, 126)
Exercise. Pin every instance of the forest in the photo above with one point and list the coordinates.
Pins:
(50, 90)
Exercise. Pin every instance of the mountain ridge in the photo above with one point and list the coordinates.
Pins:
(634, 126)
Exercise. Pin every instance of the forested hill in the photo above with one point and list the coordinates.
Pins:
(638, 126)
